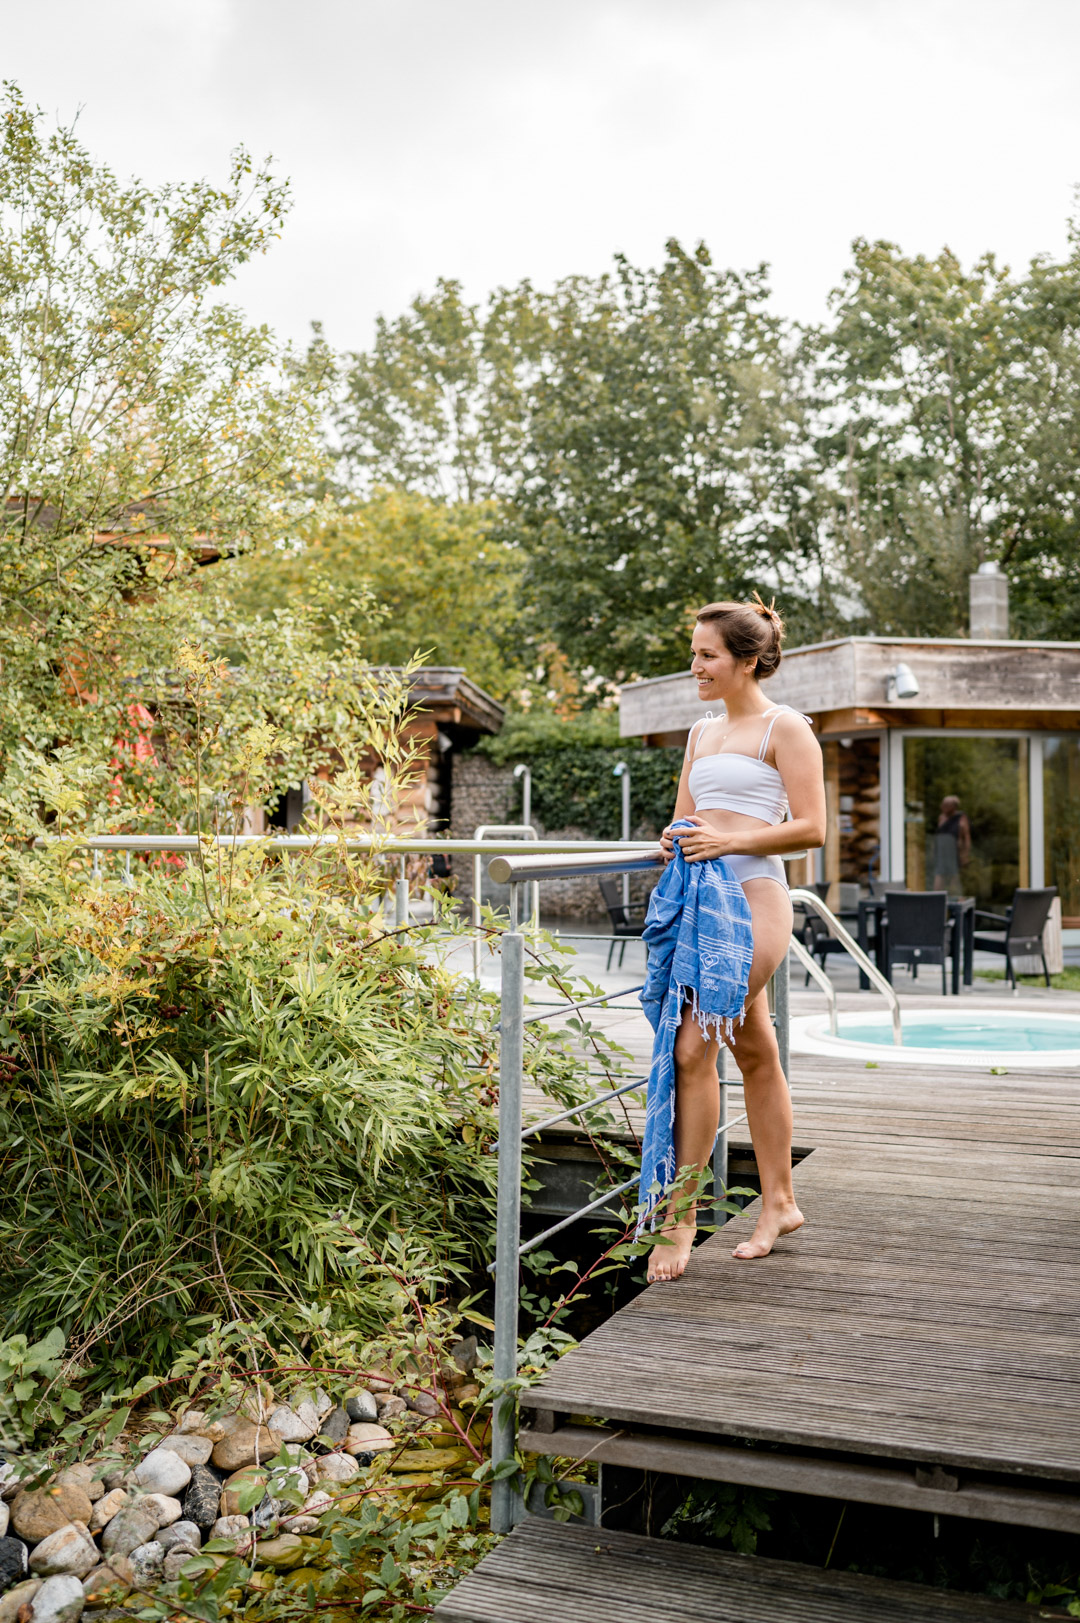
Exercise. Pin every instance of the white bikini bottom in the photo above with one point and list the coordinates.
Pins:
(747, 867)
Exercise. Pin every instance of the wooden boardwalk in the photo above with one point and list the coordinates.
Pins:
(544, 1572)
(915, 1346)
(927, 1314)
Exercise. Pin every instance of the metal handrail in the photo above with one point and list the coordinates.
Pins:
(873, 974)
(813, 968)
(390, 845)
(524, 831)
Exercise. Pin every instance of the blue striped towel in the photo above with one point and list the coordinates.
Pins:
(700, 945)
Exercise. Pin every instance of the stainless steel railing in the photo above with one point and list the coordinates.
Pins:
(810, 899)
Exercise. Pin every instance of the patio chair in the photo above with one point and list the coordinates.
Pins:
(625, 924)
(1022, 927)
(814, 932)
(918, 930)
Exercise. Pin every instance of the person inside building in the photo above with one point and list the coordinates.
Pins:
(952, 846)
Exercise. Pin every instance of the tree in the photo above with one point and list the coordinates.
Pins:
(662, 469)
(948, 433)
(447, 585)
(144, 427)
(639, 430)
(436, 405)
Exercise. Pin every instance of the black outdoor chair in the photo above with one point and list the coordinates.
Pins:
(814, 933)
(1022, 927)
(625, 924)
(918, 930)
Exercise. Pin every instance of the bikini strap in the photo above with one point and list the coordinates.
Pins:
(708, 716)
(779, 711)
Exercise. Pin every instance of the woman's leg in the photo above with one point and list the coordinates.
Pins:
(768, 1105)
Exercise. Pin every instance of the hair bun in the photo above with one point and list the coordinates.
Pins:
(767, 611)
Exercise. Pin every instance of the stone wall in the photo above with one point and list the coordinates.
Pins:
(484, 793)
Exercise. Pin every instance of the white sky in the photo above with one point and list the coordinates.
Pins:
(496, 139)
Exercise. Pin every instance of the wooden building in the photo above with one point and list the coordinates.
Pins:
(450, 713)
(906, 723)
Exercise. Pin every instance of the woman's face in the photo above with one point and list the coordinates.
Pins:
(716, 671)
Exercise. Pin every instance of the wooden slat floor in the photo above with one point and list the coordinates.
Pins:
(929, 1310)
(585, 1575)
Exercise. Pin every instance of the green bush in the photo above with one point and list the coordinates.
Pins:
(572, 761)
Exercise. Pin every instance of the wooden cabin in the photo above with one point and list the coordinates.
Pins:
(448, 711)
(905, 723)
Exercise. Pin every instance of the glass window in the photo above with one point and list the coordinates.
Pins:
(1061, 822)
(966, 816)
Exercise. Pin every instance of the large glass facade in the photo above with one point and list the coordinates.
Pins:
(966, 816)
(1061, 822)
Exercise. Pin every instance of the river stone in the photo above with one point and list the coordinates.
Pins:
(391, 1407)
(266, 1508)
(236, 1528)
(180, 1533)
(84, 1477)
(12, 1562)
(193, 1450)
(59, 1600)
(107, 1576)
(334, 1426)
(146, 1564)
(296, 1422)
(191, 1421)
(168, 1509)
(162, 1471)
(336, 1468)
(244, 1444)
(35, 1515)
(281, 1553)
(175, 1561)
(422, 1403)
(134, 1525)
(107, 1507)
(361, 1407)
(12, 1603)
(366, 1438)
(69, 1549)
(202, 1498)
(5, 1517)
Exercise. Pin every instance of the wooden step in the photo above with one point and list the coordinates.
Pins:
(547, 1572)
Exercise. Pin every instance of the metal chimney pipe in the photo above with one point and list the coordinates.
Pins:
(989, 604)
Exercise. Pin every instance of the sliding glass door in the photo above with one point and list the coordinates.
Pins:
(966, 816)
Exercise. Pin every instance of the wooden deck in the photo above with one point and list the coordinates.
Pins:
(914, 1346)
(925, 1319)
(581, 1575)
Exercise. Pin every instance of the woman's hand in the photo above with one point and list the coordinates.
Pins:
(667, 844)
(702, 842)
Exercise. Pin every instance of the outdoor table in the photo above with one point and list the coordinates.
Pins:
(961, 910)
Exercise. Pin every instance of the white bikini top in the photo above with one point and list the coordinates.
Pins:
(728, 781)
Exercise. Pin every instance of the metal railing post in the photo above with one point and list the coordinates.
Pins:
(508, 1217)
(782, 1005)
(720, 1148)
(401, 896)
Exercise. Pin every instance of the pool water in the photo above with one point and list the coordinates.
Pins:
(1015, 1037)
(996, 1033)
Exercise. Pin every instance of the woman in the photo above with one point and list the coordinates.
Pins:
(743, 769)
(952, 845)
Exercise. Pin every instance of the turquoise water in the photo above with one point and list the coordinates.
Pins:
(990, 1033)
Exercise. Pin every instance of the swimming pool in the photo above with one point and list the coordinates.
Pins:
(1016, 1038)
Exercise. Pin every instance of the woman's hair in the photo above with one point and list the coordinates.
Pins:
(750, 631)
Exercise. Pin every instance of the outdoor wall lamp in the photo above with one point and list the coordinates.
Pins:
(901, 683)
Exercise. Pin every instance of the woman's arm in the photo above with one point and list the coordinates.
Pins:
(684, 800)
(798, 761)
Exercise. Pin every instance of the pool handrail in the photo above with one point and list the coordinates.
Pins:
(808, 898)
(814, 969)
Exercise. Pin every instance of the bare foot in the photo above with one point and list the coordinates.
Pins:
(770, 1225)
(668, 1259)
